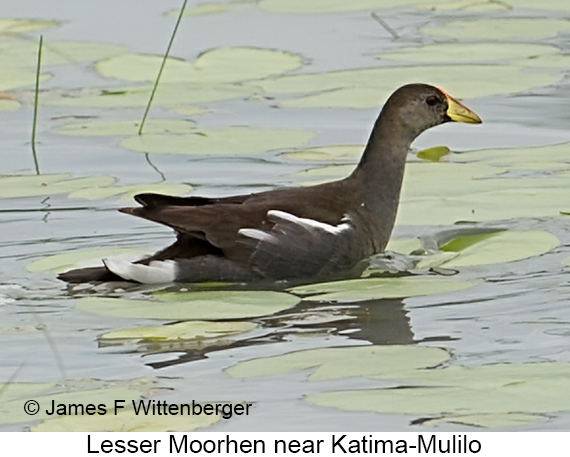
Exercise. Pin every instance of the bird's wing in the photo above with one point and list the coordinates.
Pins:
(295, 247)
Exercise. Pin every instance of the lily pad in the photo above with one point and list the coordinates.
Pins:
(128, 192)
(334, 363)
(225, 141)
(469, 52)
(332, 6)
(127, 421)
(13, 78)
(220, 65)
(498, 247)
(25, 54)
(368, 88)
(12, 410)
(341, 153)
(484, 391)
(59, 263)
(192, 330)
(9, 105)
(378, 288)
(526, 28)
(488, 420)
(123, 127)
(40, 185)
(11, 26)
(206, 305)
(210, 8)
(434, 154)
(166, 95)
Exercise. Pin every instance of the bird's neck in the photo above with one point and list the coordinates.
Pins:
(379, 176)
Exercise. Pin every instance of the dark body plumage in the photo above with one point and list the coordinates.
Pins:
(289, 234)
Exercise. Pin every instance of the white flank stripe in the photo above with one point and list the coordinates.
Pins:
(311, 223)
(156, 272)
(256, 234)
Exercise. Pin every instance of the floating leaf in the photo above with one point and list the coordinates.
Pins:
(367, 88)
(127, 193)
(13, 78)
(505, 246)
(330, 6)
(378, 288)
(220, 65)
(334, 363)
(12, 411)
(344, 153)
(229, 141)
(484, 391)
(40, 185)
(122, 127)
(404, 246)
(191, 330)
(469, 52)
(488, 420)
(127, 421)
(526, 28)
(59, 263)
(10, 26)
(434, 154)
(9, 105)
(207, 305)
(210, 8)
(166, 95)
(25, 54)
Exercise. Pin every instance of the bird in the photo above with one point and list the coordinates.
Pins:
(303, 234)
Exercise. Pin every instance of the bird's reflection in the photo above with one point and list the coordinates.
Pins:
(379, 322)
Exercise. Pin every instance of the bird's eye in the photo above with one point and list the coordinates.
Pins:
(432, 100)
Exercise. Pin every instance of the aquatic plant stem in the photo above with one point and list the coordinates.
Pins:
(384, 24)
(162, 67)
(36, 97)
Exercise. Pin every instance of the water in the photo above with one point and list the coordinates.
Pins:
(519, 314)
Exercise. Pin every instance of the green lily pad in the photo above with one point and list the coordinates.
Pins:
(531, 388)
(210, 8)
(498, 247)
(469, 52)
(526, 28)
(404, 246)
(203, 305)
(191, 330)
(434, 154)
(25, 54)
(13, 78)
(127, 421)
(40, 185)
(543, 157)
(488, 420)
(9, 105)
(340, 153)
(500, 204)
(11, 26)
(368, 88)
(12, 410)
(128, 192)
(167, 95)
(59, 263)
(556, 5)
(335, 363)
(220, 65)
(377, 288)
(225, 141)
(122, 127)
(333, 6)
